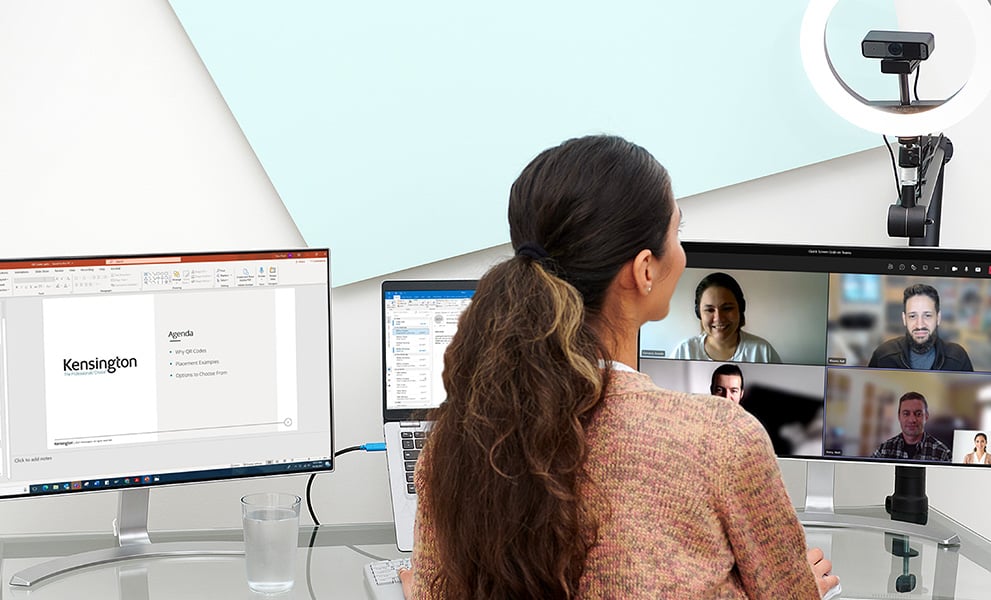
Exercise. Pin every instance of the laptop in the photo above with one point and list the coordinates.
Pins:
(419, 319)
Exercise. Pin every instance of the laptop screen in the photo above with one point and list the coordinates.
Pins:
(419, 319)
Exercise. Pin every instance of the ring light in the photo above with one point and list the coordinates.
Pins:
(896, 120)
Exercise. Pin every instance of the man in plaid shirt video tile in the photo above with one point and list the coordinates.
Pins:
(913, 442)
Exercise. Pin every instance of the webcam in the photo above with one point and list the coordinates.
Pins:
(898, 45)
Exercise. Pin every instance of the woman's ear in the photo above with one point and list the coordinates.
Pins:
(644, 271)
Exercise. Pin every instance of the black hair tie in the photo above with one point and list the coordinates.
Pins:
(532, 250)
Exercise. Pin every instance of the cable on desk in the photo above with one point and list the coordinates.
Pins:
(367, 447)
(309, 563)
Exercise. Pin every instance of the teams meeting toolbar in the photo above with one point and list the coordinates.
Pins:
(922, 261)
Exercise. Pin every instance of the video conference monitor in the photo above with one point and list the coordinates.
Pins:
(126, 372)
(843, 354)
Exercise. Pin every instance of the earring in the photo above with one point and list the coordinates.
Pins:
(649, 288)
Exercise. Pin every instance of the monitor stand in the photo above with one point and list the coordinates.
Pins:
(819, 511)
(133, 542)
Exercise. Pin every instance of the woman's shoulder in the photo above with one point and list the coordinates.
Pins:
(637, 384)
(639, 395)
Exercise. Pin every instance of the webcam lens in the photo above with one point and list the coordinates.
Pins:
(895, 49)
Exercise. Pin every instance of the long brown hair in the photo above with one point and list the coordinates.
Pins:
(505, 478)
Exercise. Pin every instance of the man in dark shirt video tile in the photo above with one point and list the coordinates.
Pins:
(727, 381)
(921, 346)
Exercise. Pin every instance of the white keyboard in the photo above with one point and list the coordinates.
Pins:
(823, 540)
(382, 579)
(833, 592)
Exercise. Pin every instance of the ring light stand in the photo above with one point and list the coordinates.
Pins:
(916, 215)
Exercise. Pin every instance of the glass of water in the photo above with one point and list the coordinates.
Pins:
(271, 532)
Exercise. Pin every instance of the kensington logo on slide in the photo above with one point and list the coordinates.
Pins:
(110, 365)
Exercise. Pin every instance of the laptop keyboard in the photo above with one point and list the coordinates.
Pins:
(412, 446)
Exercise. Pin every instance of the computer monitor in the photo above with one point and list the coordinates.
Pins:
(129, 372)
(845, 356)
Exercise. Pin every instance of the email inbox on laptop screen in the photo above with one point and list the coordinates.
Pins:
(419, 324)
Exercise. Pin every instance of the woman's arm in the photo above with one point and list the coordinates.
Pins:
(416, 582)
(768, 541)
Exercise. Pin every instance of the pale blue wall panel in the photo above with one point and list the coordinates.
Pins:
(392, 130)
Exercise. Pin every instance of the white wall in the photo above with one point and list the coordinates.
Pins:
(75, 177)
(113, 138)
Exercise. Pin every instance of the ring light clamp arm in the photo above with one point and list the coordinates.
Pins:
(916, 215)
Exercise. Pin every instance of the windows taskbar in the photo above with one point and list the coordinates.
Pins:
(133, 481)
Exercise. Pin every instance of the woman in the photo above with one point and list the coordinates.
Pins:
(554, 469)
(721, 310)
(979, 456)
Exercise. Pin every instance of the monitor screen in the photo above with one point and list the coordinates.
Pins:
(120, 372)
(842, 353)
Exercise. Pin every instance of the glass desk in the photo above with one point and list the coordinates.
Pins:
(331, 558)
(874, 564)
(329, 565)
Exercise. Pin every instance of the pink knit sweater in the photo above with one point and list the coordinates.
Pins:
(696, 503)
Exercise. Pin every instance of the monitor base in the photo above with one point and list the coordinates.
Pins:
(32, 575)
(133, 542)
(819, 511)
